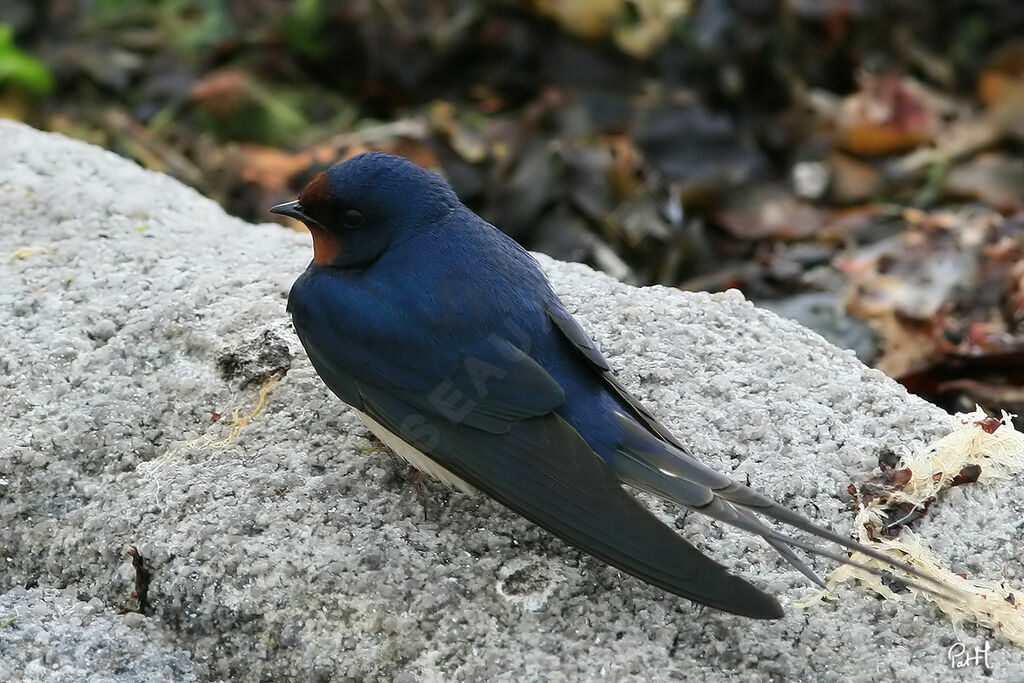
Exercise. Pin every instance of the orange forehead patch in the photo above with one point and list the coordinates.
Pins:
(317, 191)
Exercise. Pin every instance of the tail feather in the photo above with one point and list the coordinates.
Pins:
(773, 510)
(660, 468)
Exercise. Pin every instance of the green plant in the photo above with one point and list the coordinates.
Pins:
(20, 69)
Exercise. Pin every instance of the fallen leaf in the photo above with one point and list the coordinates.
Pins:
(1003, 75)
(889, 114)
(853, 181)
(221, 92)
(588, 19)
(996, 180)
(781, 217)
(271, 168)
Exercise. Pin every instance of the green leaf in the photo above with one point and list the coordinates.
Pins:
(301, 30)
(20, 69)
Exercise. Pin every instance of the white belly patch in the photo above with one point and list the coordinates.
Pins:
(415, 457)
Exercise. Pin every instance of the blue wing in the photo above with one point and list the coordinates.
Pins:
(474, 377)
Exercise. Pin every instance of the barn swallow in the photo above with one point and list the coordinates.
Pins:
(447, 339)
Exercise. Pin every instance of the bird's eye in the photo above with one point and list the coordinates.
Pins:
(352, 218)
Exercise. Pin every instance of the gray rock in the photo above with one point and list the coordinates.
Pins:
(301, 549)
(52, 635)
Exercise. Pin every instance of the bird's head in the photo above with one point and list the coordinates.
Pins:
(359, 208)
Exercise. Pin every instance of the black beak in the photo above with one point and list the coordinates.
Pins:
(293, 209)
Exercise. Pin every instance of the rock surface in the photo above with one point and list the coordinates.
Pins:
(135, 317)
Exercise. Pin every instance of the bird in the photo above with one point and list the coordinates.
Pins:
(447, 339)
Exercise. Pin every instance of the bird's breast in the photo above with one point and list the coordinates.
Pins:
(414, 456)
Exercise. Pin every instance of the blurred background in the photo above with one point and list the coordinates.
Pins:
(854, 164)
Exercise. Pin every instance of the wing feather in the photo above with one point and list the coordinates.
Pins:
(544, 470)
(662, 466)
